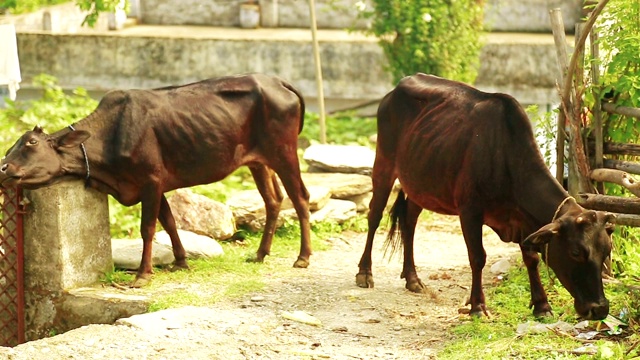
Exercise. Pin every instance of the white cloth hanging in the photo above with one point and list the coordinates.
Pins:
(9, 62)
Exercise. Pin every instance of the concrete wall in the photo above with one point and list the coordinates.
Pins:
(352, 69)
(529, 15)
(331, 14)
(67, 245)
(353, 65)
(500, 15)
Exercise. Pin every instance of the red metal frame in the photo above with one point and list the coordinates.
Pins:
(13, 293)
(20, 268)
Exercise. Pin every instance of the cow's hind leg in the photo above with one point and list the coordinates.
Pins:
(169, 224)
(539, 302)
(272, 196)
(382, 186)
(289, 172)
(471, 221)
(408, 228)
(150, 211)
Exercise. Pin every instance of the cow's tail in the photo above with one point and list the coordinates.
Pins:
(398, 215)
(301, 101)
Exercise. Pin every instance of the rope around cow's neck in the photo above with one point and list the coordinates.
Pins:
(86, 159)
(546, 246)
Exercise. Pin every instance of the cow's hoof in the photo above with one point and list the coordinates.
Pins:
(179, 267)
(301, 263)
(141, 282)
(544, 314)
(254, 259)
(541, 310)
(364, 280)
(479, 311)
(417, 286)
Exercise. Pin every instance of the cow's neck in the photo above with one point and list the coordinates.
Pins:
(542, 199)
(86, 160)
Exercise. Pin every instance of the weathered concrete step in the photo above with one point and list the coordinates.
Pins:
(96, 305)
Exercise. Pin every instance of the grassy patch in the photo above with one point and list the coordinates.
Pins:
(497, 338)
(342, 128)
(229, 276)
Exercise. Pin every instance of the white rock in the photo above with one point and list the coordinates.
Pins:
(196, 246)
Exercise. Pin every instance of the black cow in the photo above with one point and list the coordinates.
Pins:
(459, 151)
(139, 144)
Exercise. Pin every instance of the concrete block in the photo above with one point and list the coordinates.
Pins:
(66, 245)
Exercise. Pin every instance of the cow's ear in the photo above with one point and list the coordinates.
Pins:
(543, 235)
(73, 138)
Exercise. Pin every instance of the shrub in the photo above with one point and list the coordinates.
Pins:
(439, 37)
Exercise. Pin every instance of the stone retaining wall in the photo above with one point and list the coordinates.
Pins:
(501, 15)
(353, 65)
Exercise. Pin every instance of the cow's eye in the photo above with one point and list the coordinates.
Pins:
(575, 253)
(33, 142)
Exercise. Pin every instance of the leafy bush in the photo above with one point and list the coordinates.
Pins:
(25, 6)
(619, 29)
(53, 111)
(438, 37)
(619, 32)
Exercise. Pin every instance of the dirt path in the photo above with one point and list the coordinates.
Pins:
(386, 322)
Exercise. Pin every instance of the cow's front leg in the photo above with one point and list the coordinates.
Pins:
(471, 224)
(539, 302)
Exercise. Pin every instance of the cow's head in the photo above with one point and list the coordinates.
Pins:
(38, 159)
(575, 246)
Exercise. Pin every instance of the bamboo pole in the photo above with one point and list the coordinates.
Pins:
(561, 53)
(616, 204)
(316, 57)
(621, 110)
(578, 179)
(583, 166)
(597, 111)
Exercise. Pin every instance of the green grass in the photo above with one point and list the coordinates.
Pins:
(343, 128)
(496, 337)
(231, 276)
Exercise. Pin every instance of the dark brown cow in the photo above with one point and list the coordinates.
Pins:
(139, 144)
(460, 151)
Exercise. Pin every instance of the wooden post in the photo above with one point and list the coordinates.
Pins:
(576, 138)
(597, 111)
(577, 154)
(316, 57)
(561, 53)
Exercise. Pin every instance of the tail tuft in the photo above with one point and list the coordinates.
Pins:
(397, 215)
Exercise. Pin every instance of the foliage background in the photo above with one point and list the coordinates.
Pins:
(439, 37)
(619, 41)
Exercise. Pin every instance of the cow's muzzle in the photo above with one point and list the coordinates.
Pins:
(7, 178)
(592, 311)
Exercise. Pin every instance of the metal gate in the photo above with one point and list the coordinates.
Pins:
(12, 329)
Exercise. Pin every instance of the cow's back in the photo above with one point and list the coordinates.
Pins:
(452, 142)
(223, 122)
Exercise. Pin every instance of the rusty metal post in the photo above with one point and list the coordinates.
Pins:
(12, 321)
